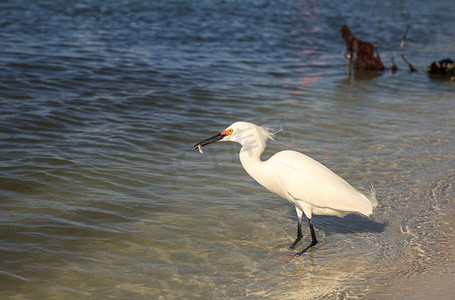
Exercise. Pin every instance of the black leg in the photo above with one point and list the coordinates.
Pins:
(314, 241)
(299, 234)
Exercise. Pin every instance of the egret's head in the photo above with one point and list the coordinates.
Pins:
(244, 133)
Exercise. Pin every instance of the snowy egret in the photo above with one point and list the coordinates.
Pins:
(306, 183)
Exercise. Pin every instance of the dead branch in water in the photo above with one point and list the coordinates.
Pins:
(411, 67)
(364, 52)
(394, 66)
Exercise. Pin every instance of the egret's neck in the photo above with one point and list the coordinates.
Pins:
(250, 157)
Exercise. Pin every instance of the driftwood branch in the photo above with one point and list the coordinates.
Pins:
(394, 66)
(366, 55)
(411, 67)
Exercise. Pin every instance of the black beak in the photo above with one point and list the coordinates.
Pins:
(210, 140)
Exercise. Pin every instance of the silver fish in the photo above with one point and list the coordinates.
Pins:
(200, 149)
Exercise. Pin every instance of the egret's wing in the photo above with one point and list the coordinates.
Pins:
(309, 181)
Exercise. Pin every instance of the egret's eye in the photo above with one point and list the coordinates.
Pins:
(227, 131)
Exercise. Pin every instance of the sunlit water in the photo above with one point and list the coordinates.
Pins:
(100, 102)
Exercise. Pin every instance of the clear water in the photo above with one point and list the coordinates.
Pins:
(101, 197)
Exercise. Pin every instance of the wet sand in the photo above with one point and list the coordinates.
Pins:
(436, 282)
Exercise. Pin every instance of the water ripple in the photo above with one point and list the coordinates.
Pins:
(102, 197)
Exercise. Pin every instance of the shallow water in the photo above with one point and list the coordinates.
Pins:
(101, 101)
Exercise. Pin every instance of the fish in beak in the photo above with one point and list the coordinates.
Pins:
(210, 140)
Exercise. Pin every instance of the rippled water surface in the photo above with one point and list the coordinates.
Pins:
(100, 102)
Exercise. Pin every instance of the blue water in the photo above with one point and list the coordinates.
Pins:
(100, 102)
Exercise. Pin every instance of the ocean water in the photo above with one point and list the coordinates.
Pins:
(101, 196)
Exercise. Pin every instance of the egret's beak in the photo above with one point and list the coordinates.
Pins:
(210, 140)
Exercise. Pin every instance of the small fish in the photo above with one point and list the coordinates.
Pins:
(200, 149)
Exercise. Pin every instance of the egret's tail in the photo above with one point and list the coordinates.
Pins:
(372, 197)
(369, 203)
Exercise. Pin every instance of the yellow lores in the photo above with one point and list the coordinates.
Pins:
(227, 131)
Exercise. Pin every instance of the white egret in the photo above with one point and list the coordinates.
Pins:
(306, 183)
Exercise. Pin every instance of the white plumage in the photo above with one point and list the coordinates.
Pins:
(306, 183)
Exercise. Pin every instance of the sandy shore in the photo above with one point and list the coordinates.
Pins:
(438, 280)
(437, 283)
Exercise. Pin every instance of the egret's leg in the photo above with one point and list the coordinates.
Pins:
(299, 234)
(314, 241)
